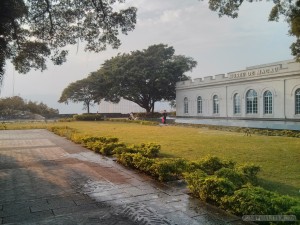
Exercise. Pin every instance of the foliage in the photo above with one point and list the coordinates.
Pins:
(194, 180)
(289, 9)
(142, 115)
(32, 31)
(13, 106)
(237, 178)
(88, 117)
(169, 169)
(250, 172)
(79, 91)
(143, 77)
(210, 164)
(150, 150)
(258, 201)
(65, 131)
(213, 189)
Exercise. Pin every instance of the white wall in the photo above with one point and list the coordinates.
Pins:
(281, 78)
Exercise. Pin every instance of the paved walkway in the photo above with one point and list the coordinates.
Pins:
(46, 179)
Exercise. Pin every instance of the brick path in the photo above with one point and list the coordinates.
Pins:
(46, 179)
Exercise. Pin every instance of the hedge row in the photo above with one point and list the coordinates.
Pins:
(222, 183)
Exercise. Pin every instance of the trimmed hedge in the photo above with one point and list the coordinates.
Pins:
(88, 117)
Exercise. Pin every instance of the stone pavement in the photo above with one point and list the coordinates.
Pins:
(46, 179)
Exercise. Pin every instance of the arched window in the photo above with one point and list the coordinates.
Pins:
(199, 104)
(236, 104)
(186, 105)
(251, 102)
(215, 104)
(268, 102)
(297, 101)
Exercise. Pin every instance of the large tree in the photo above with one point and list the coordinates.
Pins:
(33, 30)
(143, 77)
(289, 9)
(79, 91)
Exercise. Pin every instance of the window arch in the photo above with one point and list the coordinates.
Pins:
(251, 102)
(185, 105)
(236, 104)
(199, 104)
(297, 101)
(215, 104)
(268, 102)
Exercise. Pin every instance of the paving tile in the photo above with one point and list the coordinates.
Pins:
(22, 218)
(77, 209)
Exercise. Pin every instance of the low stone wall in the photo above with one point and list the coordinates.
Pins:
(265, 124)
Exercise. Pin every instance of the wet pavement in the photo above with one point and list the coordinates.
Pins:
(46, 179)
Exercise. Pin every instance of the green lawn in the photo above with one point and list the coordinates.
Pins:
(279, 157)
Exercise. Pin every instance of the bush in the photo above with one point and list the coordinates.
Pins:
(168, 169)
(237, 178)
(127, 149)
(142, 163)
(211, 164)
(250, 172)
(143, 115)
(87, 139)
(63, 131)
(150, 150)
(258, 201)
(212, 189)
(126, 159)
(194, 180)
(88, 117)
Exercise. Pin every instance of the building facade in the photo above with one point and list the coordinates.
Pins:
(263, 96)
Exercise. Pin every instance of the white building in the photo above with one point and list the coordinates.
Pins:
(263, 96)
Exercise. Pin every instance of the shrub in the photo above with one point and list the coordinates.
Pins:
(147, 115)
(126, 159)
(108, 149)
(127, 149)
(150, 150)
(143, 163)
(211, 164)
(252, 200)
(250, 172)
(212, 189)
(168, 169)
(63, 131)
(236, 177)
(87, 139)
(88, 117)
(194, 180)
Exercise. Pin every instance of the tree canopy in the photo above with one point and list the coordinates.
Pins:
(79, 91)
(32, 31)
(143, 77)
(288, 9)
(11, 106)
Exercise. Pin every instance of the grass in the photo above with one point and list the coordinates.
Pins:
(279, 157)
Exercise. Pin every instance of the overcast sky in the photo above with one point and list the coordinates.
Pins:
(219, 45)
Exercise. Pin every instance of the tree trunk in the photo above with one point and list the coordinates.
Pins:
(88, 107)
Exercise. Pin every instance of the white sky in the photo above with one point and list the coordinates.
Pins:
(219, 45)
